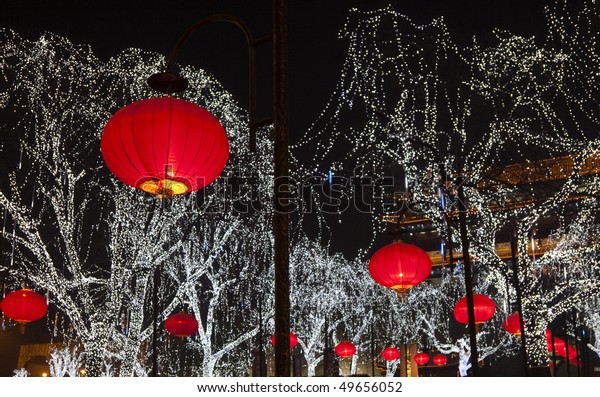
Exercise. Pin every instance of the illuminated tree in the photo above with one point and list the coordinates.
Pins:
(437, 116)
(414, 105)
(76, 232)
(330, 297)
(66, 361)
(217, 278)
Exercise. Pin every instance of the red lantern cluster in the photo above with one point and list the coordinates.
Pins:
(345, 349)
(512, 324)
(24, 306)
(421, 358)
(483, 306)
(390, 354)
(400, 266)
(181, 324)
(293, 340)
(440, 360)
(164, 146)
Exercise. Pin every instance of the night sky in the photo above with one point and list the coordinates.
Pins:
(316, 53)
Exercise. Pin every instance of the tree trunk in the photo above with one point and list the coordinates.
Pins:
(535, 323)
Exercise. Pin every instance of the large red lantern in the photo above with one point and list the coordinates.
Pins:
(293, 340)
(181, 324)
(400, 267)
(483, 306)
(164, 146)
(440, 360)
(345, 349)
(512, 324)
(421, 358)
(24, 306)
(390, 354)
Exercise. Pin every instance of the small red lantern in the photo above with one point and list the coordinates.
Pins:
(562, 350)
(576, 362)
(164, 146)
(559, 344)
(293, 340)
(24, 306)
(440, 360)
(421, 358)
(572, 353)
(390, 354)
(181, 324)
(345, 349)
(483, 306)
(512, 324)
(400, 266)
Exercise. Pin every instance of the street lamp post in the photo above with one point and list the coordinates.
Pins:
(515, 270)
(280, 221)
(170, 82)
(462, 218)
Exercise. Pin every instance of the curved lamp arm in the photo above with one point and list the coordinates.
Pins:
(169, 82)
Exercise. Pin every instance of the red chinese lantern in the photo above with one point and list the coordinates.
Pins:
(559, 344)
(562, 350)
(293, 340)
(345, 349)
(421, 358)
(390, 354)
(400, 267)
(24, 306)
(483, 306)
(440, 360)
(572, 353)
(164, 146)
(575, 361)
(181, 324)
(512, 324)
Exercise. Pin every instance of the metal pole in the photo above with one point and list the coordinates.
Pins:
(326, 351)
(567, 363)
(372, 351)
(261, 351)
(553, 354)
(406, 358)
(280, 220)
(462, 218)
(584, 351)
(577, 344)
(566, 328)
(155, 324)
(515, 266)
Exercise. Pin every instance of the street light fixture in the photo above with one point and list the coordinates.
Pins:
(169, 82)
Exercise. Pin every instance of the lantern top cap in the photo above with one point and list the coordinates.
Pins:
(167, 82)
